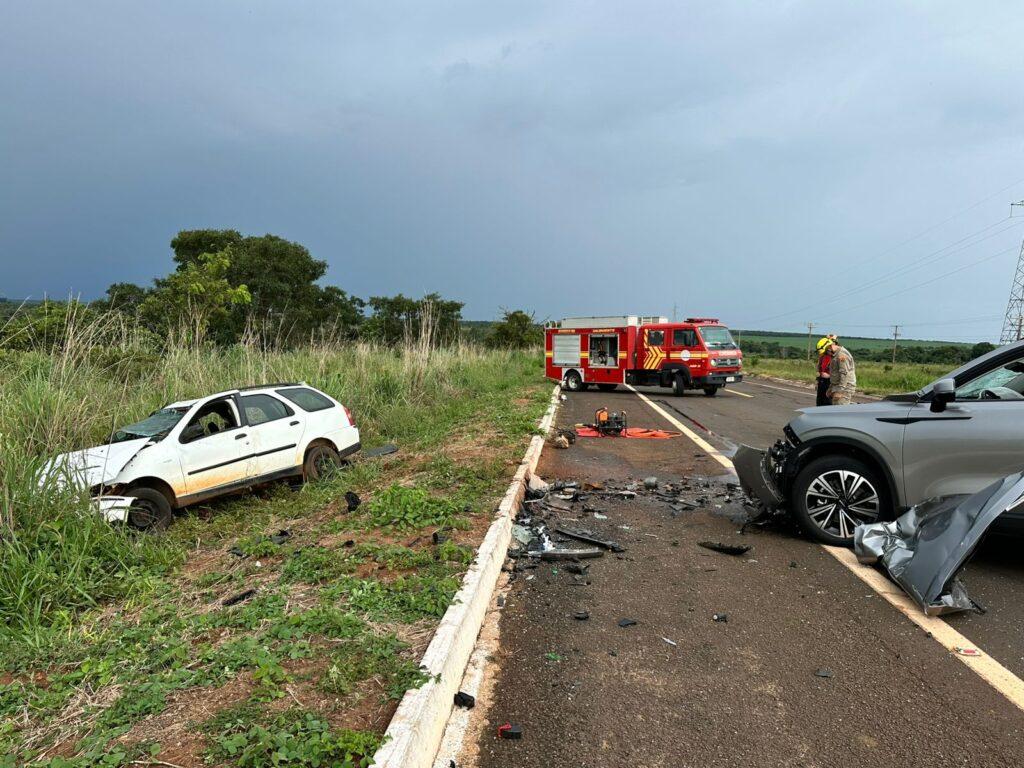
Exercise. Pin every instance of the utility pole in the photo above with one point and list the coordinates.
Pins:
(1015, 307)
(673, 311)
(895, 335)
(810, 330)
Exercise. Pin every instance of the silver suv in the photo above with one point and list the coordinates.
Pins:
(841, 466)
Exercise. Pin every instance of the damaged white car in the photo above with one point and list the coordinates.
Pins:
(195, 450)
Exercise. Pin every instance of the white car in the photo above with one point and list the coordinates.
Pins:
(194, 450)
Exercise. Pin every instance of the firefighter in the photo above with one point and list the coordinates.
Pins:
(824, 348)
(842, 375)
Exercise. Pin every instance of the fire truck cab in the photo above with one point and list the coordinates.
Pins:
(697, 353)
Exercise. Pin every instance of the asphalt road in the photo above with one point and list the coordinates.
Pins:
(679, 689)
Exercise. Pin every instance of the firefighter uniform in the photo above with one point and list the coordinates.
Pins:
(824, 377)
(844, 376)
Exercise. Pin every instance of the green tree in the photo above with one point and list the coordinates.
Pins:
(123, 297)
(194, 298)
(515, 330)
(981, 348)
(431, 320)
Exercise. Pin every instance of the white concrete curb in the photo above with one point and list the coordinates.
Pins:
(415, 732)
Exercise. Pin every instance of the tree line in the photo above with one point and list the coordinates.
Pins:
(226, 287)
(940, 354)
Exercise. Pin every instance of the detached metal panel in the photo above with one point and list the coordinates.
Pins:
(566, 349)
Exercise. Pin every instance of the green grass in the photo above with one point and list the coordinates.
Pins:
(872, 378)
(102, 629)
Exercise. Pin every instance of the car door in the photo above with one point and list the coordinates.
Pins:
(976, 440)
(214, 447)
(276, 430)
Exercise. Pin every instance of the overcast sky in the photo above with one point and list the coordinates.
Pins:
(769, 163)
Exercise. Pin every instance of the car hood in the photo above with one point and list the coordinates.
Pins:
(93, 466)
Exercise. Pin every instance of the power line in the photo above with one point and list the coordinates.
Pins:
(899, 271)
(926, 282)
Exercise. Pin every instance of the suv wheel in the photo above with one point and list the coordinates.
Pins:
(832, 495)
(321, 462)
(150, 511)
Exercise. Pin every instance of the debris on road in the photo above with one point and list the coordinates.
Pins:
(673, 643)
(823, 672)
(510, 731)
(581, 615)
(589, 539)
(352, 501)
(726, 549)
(651, 483)
(967, 651)
(465, 700)
(627, 623)
(722, 618)
(569, 554)
(925, 549)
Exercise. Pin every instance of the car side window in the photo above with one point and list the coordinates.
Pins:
(1003, 383)
(684, 337)
(216, 416)
(307, 399)
(259, 409)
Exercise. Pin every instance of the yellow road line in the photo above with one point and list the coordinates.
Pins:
(736, 392)
(986, 667)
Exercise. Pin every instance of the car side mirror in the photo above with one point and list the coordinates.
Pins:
(943, 393)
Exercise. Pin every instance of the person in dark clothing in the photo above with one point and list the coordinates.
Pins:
(824, 348)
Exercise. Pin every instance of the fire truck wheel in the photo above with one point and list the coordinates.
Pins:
(679, 385)
(573, 382)
(607, 387)
(711, 391)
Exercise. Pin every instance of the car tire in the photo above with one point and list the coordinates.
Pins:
(711, 391)
(678, 385)
(573, 381)
(607, 387)
(151, 511)
(321, 461)
(838, 484)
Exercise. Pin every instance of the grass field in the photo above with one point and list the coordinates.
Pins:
(851, 342)
(872, 378)
(116, 648)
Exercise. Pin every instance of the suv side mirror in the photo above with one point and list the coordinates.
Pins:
(943, 393)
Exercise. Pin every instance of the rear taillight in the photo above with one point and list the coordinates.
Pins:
(348, 415)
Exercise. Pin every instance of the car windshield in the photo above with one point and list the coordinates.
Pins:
(717, 337)
(157, 425)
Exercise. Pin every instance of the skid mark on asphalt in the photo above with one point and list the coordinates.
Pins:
(986, 667)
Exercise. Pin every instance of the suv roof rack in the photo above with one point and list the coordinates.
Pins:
(274, 384)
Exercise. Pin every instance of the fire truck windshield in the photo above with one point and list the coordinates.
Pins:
(717, 337)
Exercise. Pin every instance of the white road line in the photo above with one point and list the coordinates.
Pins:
(986, 667)
(736, 392)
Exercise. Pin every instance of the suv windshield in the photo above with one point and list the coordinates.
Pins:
(157, 425)
(717, 337)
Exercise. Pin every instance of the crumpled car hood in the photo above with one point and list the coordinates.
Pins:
(93, 466)
(925, 549)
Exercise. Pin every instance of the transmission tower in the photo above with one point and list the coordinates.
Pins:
(1013, 323)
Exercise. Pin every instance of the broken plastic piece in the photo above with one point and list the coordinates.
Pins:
(967, 651)
(241, 597)
(510, 731)
(465, 700)
(823, 672)
(581, 615)
(570, 554)
(582, 536)
(352, 501)
(627, 622)
(651, 483)
(382, 450)
(282, 536)
(670, 642)
(725, 549)
(722, 618)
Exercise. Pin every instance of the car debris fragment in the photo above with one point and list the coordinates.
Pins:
(241, 597)
(726, 549)
(465, 700)
(824, 672)
(925, 549)
(721, 618)
(352, 501)
(512, 731)
(627, 623)
(588, 538)
(581, 615)
(569, 554)
(382, 450)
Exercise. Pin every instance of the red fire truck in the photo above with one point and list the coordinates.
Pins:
(698, 353)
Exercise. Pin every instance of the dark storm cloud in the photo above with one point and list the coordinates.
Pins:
(573, 158)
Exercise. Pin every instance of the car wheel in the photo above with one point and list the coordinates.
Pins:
(321, 462)
(573, 381)
(607, 387)
(150, 511)
(678, 385)
(832, 495)
(711, 391)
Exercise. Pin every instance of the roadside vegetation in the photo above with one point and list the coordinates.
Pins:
(783, 346)
(872, 377)
(118, 648)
